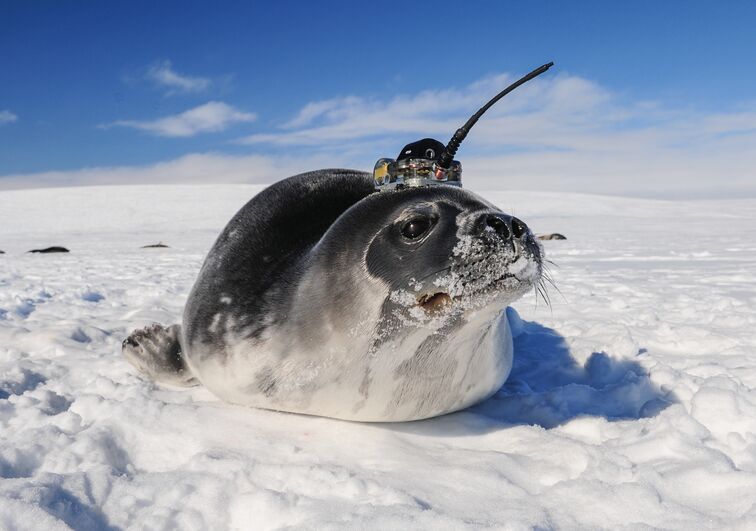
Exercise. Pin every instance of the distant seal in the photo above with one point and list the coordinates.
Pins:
(324, 297)
(54, 249)
(553, 236)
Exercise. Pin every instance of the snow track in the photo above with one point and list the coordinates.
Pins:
(632, 401)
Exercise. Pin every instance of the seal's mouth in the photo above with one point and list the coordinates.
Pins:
(434, 303)
(469, 289)
(437, 302)
(480, 273)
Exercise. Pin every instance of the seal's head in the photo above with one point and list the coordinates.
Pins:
(438, 251)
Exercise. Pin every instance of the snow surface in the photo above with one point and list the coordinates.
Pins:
(632, 401)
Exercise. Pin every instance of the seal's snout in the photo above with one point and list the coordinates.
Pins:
(499, 254)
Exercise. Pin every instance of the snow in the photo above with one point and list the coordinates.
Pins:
(632, 401)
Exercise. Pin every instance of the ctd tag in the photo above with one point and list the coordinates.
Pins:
(428, 162)
(390, 174)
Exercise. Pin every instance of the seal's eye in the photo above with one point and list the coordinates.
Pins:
(416, 227)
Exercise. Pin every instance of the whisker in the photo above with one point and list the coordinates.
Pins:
(545, 295)
(540, 295)
(551, 281)
(546, 276)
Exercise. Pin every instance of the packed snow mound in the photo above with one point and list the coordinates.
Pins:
(632, 401)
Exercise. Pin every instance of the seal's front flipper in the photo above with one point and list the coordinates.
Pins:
(156, 353)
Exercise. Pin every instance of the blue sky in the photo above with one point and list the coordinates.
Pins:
(646, 98)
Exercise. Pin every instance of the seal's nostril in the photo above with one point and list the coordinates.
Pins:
(130, 342)
(498, 225)
(518, 228)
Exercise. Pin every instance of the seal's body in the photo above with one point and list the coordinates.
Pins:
(325, 298)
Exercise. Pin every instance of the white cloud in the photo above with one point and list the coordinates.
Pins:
(195, 168)
(7, 117)
(164, 76)
(557, 133)
(431, 113)
(212, 117)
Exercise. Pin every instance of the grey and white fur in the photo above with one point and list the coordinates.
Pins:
(325, 298)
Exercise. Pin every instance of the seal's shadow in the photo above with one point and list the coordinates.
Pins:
(549, 387)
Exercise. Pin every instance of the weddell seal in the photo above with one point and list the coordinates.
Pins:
(327, 297)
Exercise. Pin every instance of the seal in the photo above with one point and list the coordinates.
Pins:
(553, 236)
(323, 297)
(372, 299)
(54, 249)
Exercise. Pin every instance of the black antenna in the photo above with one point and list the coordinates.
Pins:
(453, 145)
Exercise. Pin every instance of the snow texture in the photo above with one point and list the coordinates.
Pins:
(632, 401)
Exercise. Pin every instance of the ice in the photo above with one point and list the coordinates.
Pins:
(632, 400)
